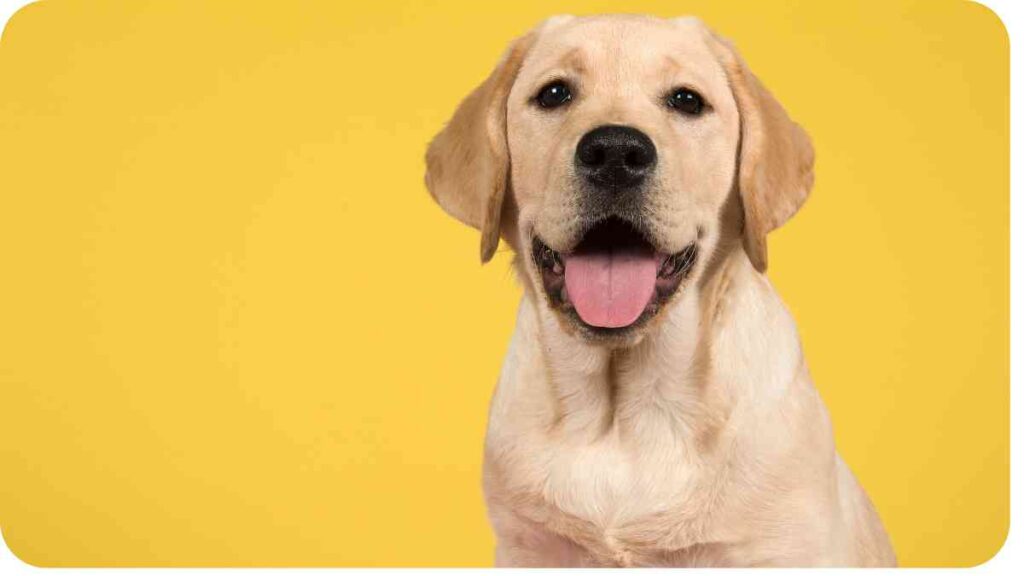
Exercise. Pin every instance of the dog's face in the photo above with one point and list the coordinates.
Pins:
(608, 151)
(622, 136)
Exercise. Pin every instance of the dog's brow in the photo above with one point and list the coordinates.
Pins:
(673, 64)
(572, 60)
(673, 67)
(568, 65)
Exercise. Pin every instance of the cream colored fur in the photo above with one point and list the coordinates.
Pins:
(699, 440)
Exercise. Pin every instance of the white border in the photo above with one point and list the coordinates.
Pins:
(1010, 559)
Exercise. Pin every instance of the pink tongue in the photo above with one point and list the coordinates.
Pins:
(610, 289)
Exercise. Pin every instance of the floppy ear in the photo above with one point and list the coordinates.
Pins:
(776, 158)
(468, 162)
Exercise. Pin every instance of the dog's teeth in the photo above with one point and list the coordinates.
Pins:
(688, 257)
(678, 263)
(551, 260)
(667, 267)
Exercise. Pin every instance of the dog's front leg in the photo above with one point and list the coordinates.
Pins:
(538, 549)
(527, 544)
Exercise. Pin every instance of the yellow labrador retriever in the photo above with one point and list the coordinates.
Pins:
(654, 407)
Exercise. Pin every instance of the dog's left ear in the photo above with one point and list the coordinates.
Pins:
(468, 161)
(776, 158)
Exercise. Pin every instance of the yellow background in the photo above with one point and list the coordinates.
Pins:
(234, 330)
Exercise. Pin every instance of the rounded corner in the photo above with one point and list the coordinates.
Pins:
(998, 550)
(18, 13)
(992, 14)
(12, 553)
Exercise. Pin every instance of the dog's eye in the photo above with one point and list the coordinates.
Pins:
(554, 94)
(686, 101)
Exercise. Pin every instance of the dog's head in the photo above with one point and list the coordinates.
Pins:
(616, 155)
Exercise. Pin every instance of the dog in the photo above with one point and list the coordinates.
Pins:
(654, 407)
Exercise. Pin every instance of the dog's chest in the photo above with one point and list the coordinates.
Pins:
(607, 482)
(619, 497)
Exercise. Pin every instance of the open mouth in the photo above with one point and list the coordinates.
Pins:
(614, 279)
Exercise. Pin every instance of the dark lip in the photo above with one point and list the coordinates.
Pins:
(673, 270)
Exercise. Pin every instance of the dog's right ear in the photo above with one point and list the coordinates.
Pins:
(468, 162)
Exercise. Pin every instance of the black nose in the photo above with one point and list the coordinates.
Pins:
(615, 157)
